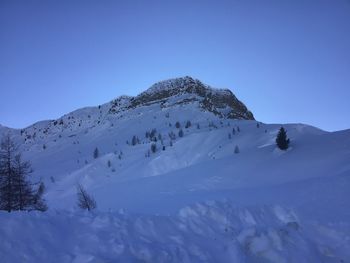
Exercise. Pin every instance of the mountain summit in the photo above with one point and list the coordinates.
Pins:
(186, 90)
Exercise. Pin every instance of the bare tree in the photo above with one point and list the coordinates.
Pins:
(85, 200)
(7, 156)
(39, 203)
(22, 189)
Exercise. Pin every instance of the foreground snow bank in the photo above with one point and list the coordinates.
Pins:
(206, 232)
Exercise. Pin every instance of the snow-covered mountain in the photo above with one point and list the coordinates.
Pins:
(189, 197)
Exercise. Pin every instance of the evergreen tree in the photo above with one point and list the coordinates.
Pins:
(85, 200)
(281, 140)
(153, 147)
(153, 133)
(236, 149)
(96, 153)
(134, 140)
(181, 133)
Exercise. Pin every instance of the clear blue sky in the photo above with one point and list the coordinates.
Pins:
(288, 61)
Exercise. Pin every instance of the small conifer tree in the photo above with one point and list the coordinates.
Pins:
(153, 147)
(96, 153)
(281, 140)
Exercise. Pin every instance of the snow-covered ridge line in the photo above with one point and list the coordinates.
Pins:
(221, 102)
(176, 83)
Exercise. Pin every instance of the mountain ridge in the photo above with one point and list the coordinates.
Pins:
(221, 102)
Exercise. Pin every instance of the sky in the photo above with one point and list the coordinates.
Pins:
(288, 61)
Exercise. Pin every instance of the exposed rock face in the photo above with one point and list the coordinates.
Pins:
(185, 90)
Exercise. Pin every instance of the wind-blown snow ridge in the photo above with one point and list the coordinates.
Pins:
(205, 232)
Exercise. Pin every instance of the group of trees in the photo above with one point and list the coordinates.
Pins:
(16, 191)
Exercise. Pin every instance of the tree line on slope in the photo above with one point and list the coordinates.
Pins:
(18, 193)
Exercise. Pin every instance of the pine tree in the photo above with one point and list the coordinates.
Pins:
(153, 133)
(134, 140)
(96, 153)
(153, 147)
(85, 200)
(281, 140)
(181, 133)
(236, 149)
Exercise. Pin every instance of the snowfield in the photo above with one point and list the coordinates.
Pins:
(193, 200)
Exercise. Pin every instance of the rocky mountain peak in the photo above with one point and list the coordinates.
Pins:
(184, 90)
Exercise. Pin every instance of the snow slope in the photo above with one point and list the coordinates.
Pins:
(194, 201)
(206, 232)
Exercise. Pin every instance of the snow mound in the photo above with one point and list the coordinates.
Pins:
(205, 232)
